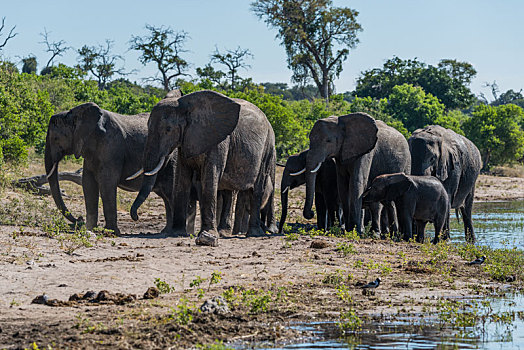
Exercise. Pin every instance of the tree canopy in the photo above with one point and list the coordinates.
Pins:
(448, 81)
(317, 37)
(163, 47)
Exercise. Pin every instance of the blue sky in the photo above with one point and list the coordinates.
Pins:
(488, 34)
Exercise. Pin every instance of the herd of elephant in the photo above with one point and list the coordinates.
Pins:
(209, 148)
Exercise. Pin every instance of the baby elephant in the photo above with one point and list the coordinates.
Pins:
(419, 198)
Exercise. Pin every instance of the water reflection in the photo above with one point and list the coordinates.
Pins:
(498, 225)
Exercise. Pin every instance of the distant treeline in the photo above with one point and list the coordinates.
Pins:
(406, 94)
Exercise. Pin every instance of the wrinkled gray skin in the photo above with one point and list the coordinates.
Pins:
(111, 145)
(363, 149)
(228, 143)
(242, 209)
(454, 160)
(327, 201)
(419, 198)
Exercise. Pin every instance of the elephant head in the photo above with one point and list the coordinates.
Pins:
(388, 187)
(293, 176)
(67, 134)
(193, 124)
(345, 138)
(431, 153)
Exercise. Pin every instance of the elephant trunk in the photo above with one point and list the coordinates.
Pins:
(284, 200)
(151, 169)
(310, 194)
(51, 168)
(147, 186)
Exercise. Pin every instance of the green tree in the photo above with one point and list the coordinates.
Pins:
(29, 65)
(317, 37)
(413, 107)
(100, 62)
(163, 47)
(497, 134)
(211, 77)
(448, 81)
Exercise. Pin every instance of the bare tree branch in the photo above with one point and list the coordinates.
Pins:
(9, 36)
(56, 48)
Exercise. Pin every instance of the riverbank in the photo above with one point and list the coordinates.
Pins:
(268, 283)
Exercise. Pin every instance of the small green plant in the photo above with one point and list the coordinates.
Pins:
(183, 314)
(346, 248)
(196, 282)
(163, 287)
(257, 300)
(349, 322)
(217, 345)
(216, 277)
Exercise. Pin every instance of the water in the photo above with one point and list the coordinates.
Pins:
(497, 224)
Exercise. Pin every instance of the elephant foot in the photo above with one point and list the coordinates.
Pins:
(255, 232)
(207, 238)
(272, 229)
(222, 233)
(175, 232)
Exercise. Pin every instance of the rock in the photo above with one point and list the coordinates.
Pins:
(151, 293)
(216, 305)
(105, 295)
(41, 299)
(206, 238)
(89, 295)
(319, 244)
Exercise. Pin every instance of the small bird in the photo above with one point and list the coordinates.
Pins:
(477, 261)
(372, 285)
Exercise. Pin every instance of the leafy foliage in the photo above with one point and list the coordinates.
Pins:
(317, 37)
(448, 81)
(497, 132)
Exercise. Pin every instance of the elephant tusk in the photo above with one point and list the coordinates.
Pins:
(316, 169)
(135, 175)
(298, 172)
(285, 190)
(157, 169)
(52, 171)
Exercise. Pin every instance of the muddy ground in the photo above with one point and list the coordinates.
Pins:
(268, 282)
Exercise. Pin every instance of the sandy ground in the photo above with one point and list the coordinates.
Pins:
(299, 273)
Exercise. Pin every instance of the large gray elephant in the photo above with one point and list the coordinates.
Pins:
(228, 143)
(363, 149)
(111, 145)
(454, 160)
(419, 198)
(327, 201)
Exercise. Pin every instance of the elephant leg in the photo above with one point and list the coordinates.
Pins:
(331, 214)
(420, 227)
(392, 217)
(466, 212)
(224, 225)
(108, 194)
(357, 184)
(375, 209)
(169, 214)
(269, 215)
(191, 211)
(405, 220)
(240, 212)
(255, 227)
(91, 196)
(321, 211)
(210, 176)
(343, 193)
(183, 186)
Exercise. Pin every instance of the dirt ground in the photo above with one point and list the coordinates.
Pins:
(269, 282)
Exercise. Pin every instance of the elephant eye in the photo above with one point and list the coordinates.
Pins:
(168, 129)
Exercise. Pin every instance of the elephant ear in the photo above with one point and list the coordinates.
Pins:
(447, 160)
(87, 119)
(360, 135)
(398, 184)
(211, 117)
